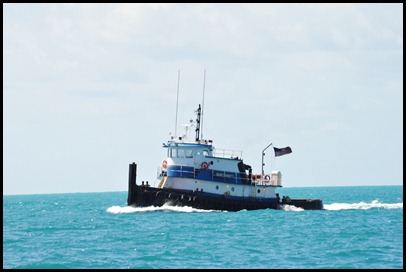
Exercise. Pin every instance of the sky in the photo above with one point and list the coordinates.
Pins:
(90, 88)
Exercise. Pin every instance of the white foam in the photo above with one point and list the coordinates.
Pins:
(291, 208)
(165, 207)
(362, 206)
(332, 207)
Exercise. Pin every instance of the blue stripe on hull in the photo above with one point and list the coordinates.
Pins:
(181, 171)
(207, 175)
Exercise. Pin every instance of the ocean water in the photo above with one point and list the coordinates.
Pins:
(361, 227)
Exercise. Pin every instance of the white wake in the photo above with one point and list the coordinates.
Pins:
(362, 206)
(165, 207)
(375, 204)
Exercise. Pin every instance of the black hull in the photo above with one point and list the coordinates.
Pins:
(144, 196)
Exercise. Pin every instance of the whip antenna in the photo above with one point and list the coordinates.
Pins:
(204, 83)
(177, 99)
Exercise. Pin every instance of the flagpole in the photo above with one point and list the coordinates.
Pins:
(262, 169)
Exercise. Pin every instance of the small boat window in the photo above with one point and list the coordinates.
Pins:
(189, 153)
(181, 153)
(172, 153)
(205, 152)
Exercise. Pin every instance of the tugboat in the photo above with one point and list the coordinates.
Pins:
(197, 175)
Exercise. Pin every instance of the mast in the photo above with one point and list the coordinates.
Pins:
(204, 84)
(198, 123)
(177, 99)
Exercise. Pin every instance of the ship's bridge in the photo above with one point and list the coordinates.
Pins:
(188, 150)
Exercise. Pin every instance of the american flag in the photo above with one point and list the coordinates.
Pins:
(282, 151)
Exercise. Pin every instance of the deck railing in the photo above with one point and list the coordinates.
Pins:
(227, 153)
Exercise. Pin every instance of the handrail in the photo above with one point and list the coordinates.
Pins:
(262, 166)
(227, 153)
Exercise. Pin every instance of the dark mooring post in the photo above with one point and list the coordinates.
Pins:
(132, 183)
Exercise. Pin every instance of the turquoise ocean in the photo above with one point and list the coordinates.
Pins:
(361, 227)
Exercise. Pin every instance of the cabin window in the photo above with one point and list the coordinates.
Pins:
(173, 153)
(189, 153)
(206, 152)
(180, 153)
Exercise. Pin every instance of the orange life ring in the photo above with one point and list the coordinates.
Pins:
(164, 164)
(205, 165)
(267, 178)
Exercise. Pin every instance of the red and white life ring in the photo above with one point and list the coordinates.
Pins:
(164, 164)
(267, 178)
(205, 165)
